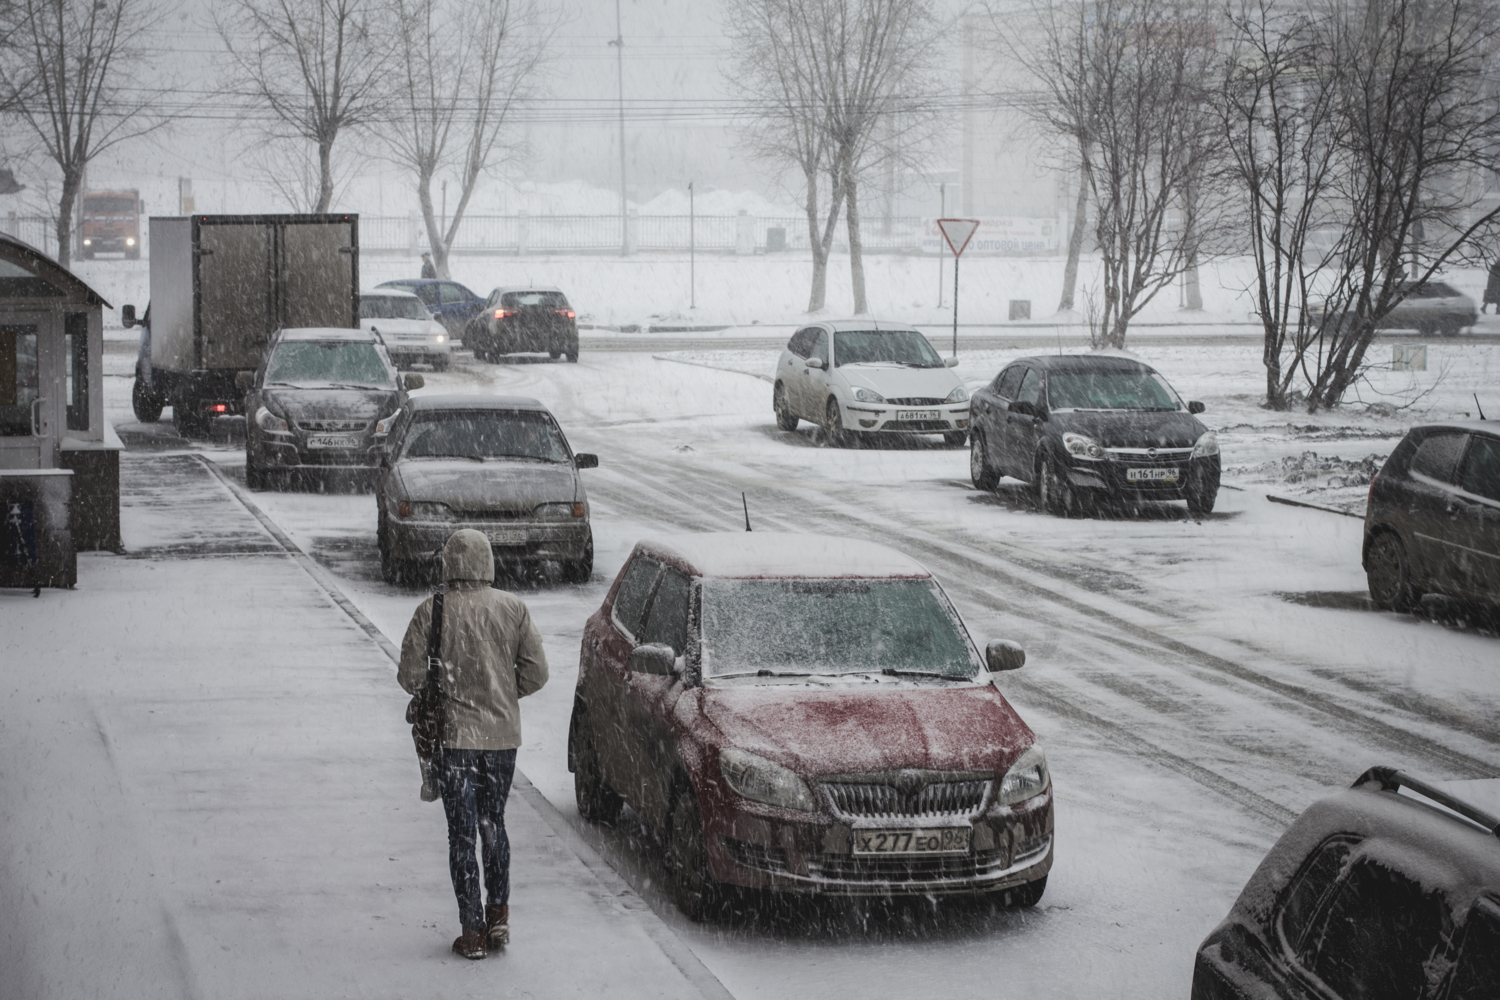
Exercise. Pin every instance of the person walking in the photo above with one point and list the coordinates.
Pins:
(491, 657)
(1492, 287)
(428, 271)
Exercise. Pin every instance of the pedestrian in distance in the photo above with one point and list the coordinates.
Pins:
(1492, 287)
(491, 657)
(428, 271)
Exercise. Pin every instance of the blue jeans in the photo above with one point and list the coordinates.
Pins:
(475, 784)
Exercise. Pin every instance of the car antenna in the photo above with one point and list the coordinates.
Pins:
(1478, 407)
(746, 505)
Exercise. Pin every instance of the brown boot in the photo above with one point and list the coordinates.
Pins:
(497, 925)
(470, 944)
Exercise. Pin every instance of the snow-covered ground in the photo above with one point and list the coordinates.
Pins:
(1195, 683)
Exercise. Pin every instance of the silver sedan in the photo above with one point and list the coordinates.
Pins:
(498, 464)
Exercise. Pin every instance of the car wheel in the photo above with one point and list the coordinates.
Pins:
(579, 570)
(1026, 895)
(597, 802)
(554, 355)
(955, 439)
(1200, 500)
(833, 425)
(1449, 328)
(573, 356)
(255, 476)
(1053, 494)
(1388, 574)
(440, 363)
(693, 888)
(984, 477)
(785, 418)
(146, 404)
(392, 569)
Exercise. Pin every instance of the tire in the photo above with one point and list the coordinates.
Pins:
(955, 439)
(785, 418)
(597, 802)
(984, 476)
(833, 425)
(1449, 328)
(579, 570)
(694, 890)
(1388, 574)
(1024, 896)
(554, 355)
(255, 477)
(1200, 502)
(573, 356)
(1053, 494)
(146, 403)
(392, 570)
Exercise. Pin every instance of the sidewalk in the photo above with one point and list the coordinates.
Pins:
(207, 790)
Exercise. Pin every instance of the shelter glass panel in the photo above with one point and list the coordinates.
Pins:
(20, 380)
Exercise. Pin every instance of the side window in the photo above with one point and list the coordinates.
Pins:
(1376, 936)
(1318, 875)
(454, 293)
(630, 602)
(1480, 473)
(801, 342)
(1031, 388)
(668, 619)
(428, 294)
(820, 348)
(1477, 973)
(1438, 454)
(1009, 381)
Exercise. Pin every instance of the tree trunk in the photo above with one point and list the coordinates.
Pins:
(325, 175)
(1075, 238)
(819, 293)
(856, 254)
(72, 179)
(430, 221)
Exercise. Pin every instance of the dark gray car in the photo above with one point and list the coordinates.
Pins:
(498, 464)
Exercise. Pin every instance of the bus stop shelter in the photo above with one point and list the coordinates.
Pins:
(59, 463)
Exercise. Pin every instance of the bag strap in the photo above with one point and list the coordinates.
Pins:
(435, 639)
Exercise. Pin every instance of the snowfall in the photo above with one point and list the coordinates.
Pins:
(209, 790)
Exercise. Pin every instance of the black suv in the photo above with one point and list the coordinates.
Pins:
(1370, 894)
(521, 320)
(1433, 521)
(1083, 429)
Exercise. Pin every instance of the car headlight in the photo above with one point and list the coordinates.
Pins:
(426, 511)
(384, 424)
(1208, 444)
(130, 241)
(867, 396)
(1082, 446)
(762, 780)
(439, 338)
(959, 395)
(1026, 778)
(560, 511)
(270, 422)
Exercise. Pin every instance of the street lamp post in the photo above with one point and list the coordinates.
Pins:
(619, 44)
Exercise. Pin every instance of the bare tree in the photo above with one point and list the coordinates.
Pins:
(314, 68)
(67, 73)
(462, 66)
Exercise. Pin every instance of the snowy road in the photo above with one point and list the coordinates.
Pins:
(1195, 684)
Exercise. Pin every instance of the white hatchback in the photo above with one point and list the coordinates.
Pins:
(855, 377)
(408, 330)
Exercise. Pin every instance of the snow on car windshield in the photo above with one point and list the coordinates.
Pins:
(479, 435)
(300, 362)
(1110, 390)
(883, 347)
(829, 627)
(391, 307)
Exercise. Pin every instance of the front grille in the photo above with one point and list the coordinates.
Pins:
(915, 401)
(333, 425)
(862, 868)
(493, 515)
(917, 425)
(1143, 456)
(907, 795)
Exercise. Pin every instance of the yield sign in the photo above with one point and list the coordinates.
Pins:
(958, 232)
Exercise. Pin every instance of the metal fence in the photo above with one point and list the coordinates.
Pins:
(38, 230)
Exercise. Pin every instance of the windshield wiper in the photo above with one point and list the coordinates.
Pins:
(350, 385)
(898, 672)
(766, 672)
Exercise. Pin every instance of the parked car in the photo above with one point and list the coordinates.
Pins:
(1432, 524)
(410, 333)
(524, 320)
(450, 303)
(858, 377)
(498, 464)
(1089, 429)
(1369, 894)
(321, 400)
(806, 714)
(1432, 307)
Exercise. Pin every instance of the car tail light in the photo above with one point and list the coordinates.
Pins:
(570, 314)
(502, 313)
(218, 408)
(403, 508)
(578, 510)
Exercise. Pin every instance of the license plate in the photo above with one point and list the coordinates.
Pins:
(506, 536)
(345, 441)
(1151, 475)
(917, 415)
(945, 840)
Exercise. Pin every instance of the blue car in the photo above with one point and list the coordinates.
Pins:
(450, 303)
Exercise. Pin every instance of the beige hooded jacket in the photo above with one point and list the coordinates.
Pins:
(492, 653)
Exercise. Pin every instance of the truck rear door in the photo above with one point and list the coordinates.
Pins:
(317, 275)
(234, 289)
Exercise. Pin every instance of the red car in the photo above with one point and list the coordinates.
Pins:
(806, 714)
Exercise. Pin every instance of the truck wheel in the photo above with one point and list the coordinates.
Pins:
(146, 403)
(573, 355)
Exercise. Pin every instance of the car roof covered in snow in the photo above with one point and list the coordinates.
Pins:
(1085, 363)
(767, 555)
(839, 325)
(506, 289)
(473, 401)
(395, 293)
(1491, 427)
(326, 333)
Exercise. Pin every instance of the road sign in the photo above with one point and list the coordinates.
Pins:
(958, 232)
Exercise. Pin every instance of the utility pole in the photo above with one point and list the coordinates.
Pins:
(942, 213)
(619, 44)
(692, 249)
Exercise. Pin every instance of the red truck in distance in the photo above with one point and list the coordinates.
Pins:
(112, 223)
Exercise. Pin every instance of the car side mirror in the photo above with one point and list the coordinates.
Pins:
(1004, 655)
(583, 460)
(244, 381)
(951, 362)
(414, 381)
(1195, 407)
(127, 316)
(652, 658)
(814, 362)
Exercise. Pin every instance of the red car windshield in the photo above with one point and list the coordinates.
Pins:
(831, 627)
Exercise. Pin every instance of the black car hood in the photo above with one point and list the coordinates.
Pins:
(1132, 428)
(330, 404)
(466, 485)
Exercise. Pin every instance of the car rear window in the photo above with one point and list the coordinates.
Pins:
(485, 434)
(1318, 875)
(1110, 390)
(545, 300)
(832, 627)
(328, 363)
(1481, 469)
(1438, 454)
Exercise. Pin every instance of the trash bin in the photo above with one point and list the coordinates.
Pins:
(775, 239)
